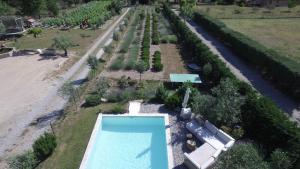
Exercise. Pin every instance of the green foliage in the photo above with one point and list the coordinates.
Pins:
(146, 43)
(44, 146)
(161, 93)
(292, 3)
(280, 160)
(5, 9)
(52, 7)
(93, 62)
(26, 160)
(282, 71)
(155, 33)
(202, 104)
(92, 100)
(2, 28)
(116, 36)
(173, 101)
(35, 31)
(237, 133)
(116, 5)
(157, 65)
(33, 7)
(123, 82)
(207, 70)
(118, 63)
(96, 12)
(186, 7)
(241, 156)
(62, 43)
(101, 86)
(108, 49)
(118, 109)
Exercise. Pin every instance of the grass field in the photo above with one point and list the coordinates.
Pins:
(282, 35)
(82, 38)
(73, 135)
(233, 11)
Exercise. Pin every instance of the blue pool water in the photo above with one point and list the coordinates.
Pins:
(130, 143)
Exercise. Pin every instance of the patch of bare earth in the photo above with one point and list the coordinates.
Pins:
(172, 60)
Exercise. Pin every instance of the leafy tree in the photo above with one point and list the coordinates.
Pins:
(35, 31)
(26, 160)
(52, 7)
(186, 8)
(242, 156)
(227, 110)
(44, 146)
(280, 160)
(203, 105)
(62, 43)
(93, 62)
(69, 91)
(33, 7)
(102, 86)
(141, 68)
(5, 9)
(207, 69)
(2, 28)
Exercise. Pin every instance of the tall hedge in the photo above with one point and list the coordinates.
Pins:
(282, 71)
(146, 43)
(263, 121)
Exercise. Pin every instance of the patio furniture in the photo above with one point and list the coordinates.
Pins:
(202, 157)
(191, 145)
(211, 134)
(215, 141)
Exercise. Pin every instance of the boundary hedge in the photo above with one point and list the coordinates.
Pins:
(262, 120)
(146, 43)
(282, 71)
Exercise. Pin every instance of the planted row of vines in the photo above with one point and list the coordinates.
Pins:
(95, 13)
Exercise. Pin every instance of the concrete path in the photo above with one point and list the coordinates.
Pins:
(23, 134)
(246, 72)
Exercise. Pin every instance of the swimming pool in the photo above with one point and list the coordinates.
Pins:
(128, 142)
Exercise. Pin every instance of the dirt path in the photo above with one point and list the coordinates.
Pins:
(245, 72)
(18, 134)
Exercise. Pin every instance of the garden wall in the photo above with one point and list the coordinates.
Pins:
(262, 120)
(282, 71)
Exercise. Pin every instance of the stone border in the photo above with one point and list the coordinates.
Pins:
(98, 125)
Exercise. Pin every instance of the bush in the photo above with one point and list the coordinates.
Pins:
(118, 109)
(241, 156)
(161, 93)
(24, 161)
(155, 33)
(146, 43)
(157, 65)
(280, 160)
(108, 49)
(92, 100)
(44, 146)
(118, 63)
(123, 82)
(173, 101)
(116, 36)
(207, 70)
(172, 39)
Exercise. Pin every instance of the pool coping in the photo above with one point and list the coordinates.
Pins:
(97, 126)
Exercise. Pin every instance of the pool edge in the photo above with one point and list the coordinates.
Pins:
(96, 128)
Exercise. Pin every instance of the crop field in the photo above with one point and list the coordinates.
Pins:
(282, 35)
(96, 12)
(233, 11)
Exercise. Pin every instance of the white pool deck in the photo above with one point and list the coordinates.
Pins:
(97, 127)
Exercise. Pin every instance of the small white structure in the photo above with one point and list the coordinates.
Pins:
(134, 107)
(215, 141)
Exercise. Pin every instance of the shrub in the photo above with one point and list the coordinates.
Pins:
(108, 49)
(155, 33)
(118, 63)
(173, 101)
(93, 62)
(280, 160)
(122, 28)
(146, 43)
(118, 109)
(161, 93)
(172, 39)
(123, 82)
(207, 70)
(241, 156)
(157, 65)
(116, 36)
(44, 146)
(26, 160)
(35, 31)
(92, 100)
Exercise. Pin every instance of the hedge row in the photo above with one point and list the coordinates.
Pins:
(146, 43)
(282, 71)
(157, 65)
(262, 120)
(155, 33)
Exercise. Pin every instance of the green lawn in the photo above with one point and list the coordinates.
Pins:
(233, 11)
(82, 39)
(282, 35)
(73, 135)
